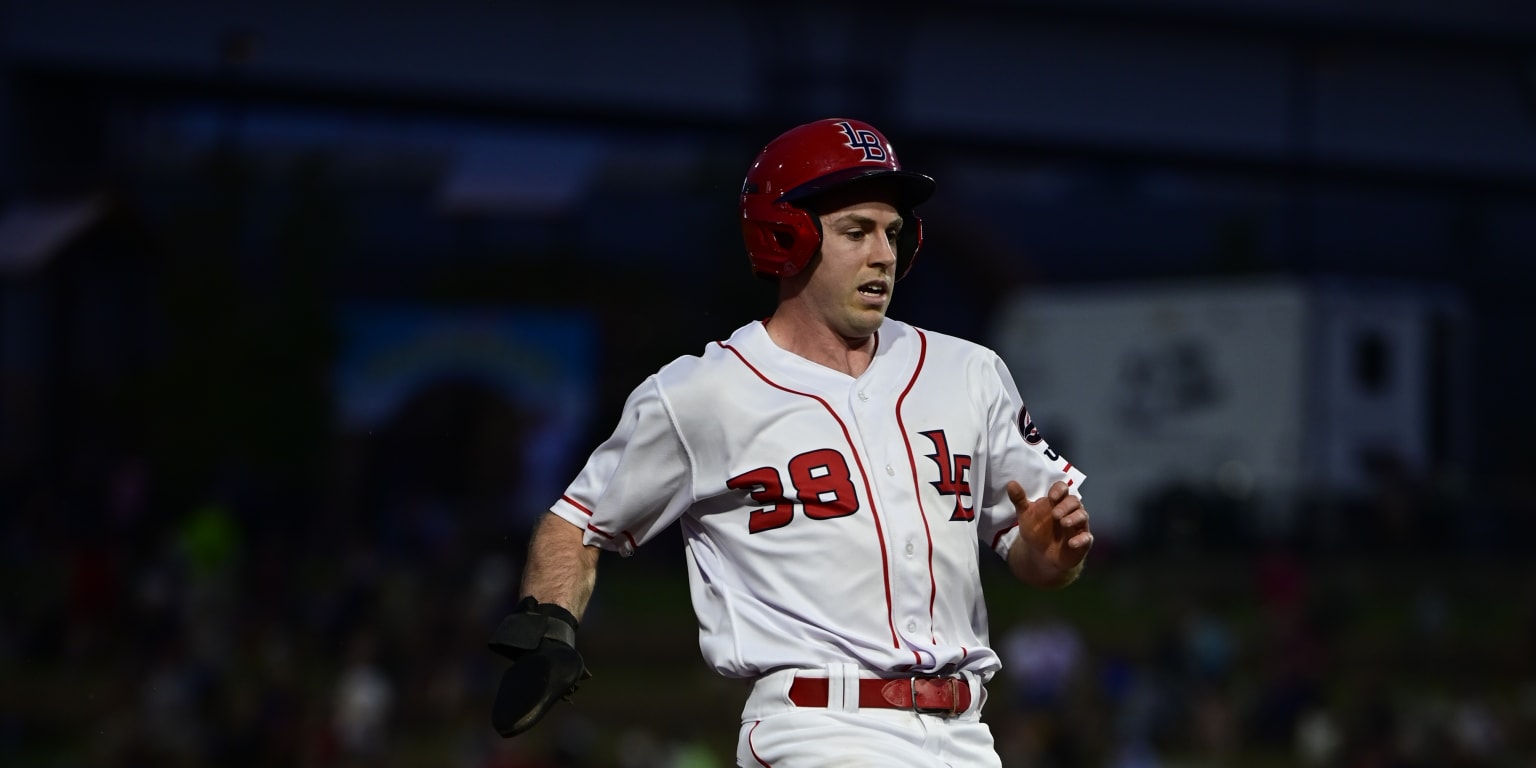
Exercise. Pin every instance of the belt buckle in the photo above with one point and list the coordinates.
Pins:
(954, 698)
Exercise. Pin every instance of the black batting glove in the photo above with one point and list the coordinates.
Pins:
(540, 639)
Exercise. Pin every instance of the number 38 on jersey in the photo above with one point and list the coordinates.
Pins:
(821, 482)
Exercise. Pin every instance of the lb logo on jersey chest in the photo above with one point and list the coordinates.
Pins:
(954, 475)
(865, 141)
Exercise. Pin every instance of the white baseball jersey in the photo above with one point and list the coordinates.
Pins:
(828, 519)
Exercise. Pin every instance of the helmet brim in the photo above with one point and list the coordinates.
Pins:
(910, 189)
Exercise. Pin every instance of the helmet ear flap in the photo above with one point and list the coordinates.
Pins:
(780, 238)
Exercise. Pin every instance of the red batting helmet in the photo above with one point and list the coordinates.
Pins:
(778, 221)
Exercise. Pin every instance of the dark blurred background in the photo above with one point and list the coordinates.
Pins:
(308, 310)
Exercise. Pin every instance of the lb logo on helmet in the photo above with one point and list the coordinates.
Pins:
(778, 223)
(866, 141)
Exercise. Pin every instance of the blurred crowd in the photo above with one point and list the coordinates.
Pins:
(246, 627)
(1277, 668)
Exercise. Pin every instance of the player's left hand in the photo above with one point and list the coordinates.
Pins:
(1054, 527)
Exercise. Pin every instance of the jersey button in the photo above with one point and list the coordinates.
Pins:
(911, 626)
(910, 549)
(863, 395)
(890, 470)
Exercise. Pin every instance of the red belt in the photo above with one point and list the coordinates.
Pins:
(947, 696)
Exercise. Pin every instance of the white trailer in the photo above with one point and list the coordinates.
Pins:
(1264, 392)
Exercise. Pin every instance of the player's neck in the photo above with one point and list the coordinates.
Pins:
(820, 344)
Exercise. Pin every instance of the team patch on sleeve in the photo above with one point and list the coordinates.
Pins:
(1032, 436)
(1028, 429)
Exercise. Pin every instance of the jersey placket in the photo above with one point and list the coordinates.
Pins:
(873, 408)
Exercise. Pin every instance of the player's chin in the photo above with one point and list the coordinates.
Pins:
(866, 321)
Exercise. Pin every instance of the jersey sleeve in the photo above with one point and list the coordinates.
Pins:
(637, 482)
(1016, 451)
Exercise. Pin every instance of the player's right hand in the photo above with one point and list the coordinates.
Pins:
(540, 639)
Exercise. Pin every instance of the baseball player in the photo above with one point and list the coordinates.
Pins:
(836, 474)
